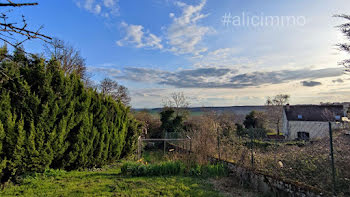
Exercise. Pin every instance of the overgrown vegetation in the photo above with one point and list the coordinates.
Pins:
(48, 119)
(306, 163)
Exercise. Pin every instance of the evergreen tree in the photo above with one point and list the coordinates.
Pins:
(49, 119)
(171, 122)
(17, 166)
(2, 158)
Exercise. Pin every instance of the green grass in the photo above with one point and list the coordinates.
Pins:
(173, 168)
(274, 133)
(154, 156)
(106, 182)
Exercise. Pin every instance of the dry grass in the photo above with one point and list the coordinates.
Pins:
(309, 164)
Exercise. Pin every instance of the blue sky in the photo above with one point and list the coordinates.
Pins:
(156, 47)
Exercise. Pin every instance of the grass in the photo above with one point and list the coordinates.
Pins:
(274, 133)
(173, 168)
(106, 182)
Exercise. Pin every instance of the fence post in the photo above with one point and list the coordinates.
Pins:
(139, 145)
(164, 146)
(332, 157)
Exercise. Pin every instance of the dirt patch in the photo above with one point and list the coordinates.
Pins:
(229, 186)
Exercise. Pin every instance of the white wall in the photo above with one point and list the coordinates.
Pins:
(314, 128)
(285, 125)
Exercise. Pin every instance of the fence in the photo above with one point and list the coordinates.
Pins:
(321, 162)
(178, 139)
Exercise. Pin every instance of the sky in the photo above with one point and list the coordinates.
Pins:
(218, 53)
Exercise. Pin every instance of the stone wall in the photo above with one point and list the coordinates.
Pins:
(271, 186)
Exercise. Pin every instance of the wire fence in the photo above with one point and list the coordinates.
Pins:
(314, 154)
(168, 143)
(318, 156)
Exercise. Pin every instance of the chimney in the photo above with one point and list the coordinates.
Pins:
(287, 107)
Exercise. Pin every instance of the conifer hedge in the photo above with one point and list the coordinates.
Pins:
(50, 120)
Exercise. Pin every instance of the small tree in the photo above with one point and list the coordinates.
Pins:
(116, 91)
(240, 130)
(345, 29)
(179, 103)
(255, 119)
(151, 124)
(170, 121)
(255, 124)
(275, 109)
(70, 59)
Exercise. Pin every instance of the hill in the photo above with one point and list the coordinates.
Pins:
(239, 110)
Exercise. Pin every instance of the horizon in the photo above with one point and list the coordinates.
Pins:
(227, 54)
(227, 106)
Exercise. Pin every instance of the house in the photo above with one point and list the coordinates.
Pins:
(309, 122)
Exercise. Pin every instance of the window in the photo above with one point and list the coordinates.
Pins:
(300, 117)
(303, 136)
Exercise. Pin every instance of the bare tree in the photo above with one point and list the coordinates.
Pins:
(275, 109)
(345, 29)
(116, 91)
(69, 58)
(14, 32)
(178, 102)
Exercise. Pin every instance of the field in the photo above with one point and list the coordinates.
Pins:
(109, 181)
(197, 111)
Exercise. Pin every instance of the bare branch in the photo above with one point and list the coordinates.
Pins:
(11, 4)
(345, 29)
(16, 33)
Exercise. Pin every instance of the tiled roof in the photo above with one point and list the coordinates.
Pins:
(314, 112)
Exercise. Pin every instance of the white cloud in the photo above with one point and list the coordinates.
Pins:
(103, 8)
(185, 34)
(223, 57)
(136, 36)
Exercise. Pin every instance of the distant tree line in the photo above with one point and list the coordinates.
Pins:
(50, 119)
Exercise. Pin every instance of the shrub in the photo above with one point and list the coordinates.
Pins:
(173, 168)
(49, 119)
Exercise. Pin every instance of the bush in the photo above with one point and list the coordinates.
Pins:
(49, 119)
(173, 168)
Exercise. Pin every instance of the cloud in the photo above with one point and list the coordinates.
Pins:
(143, 74)
(111, 72)
(136, 36)
(152, 92)
(105, 8)
(222, 57)
(310, 83)
(338, 81)
(224, 77)
(185, 34)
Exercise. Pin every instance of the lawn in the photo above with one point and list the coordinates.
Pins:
(107, 182)
(110, 181)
